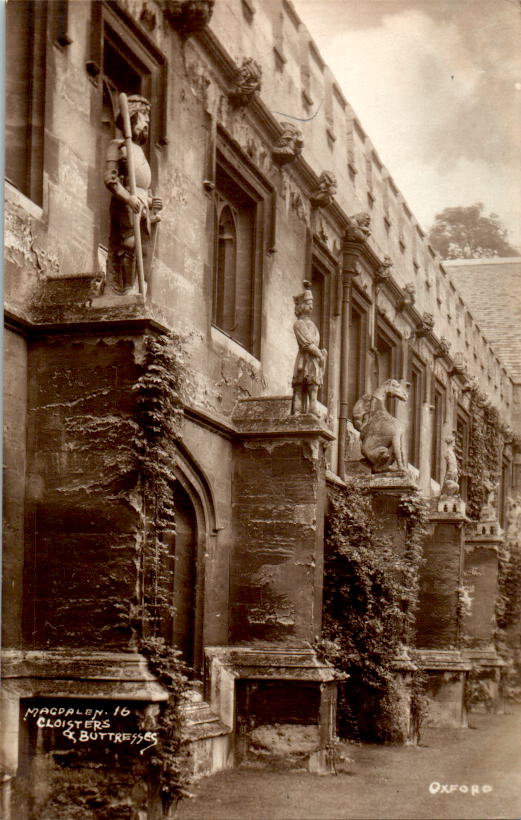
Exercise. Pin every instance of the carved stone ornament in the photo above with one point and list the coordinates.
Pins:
(409, 296)
(384, 271)
(130, 210)
(248, 80)
(488, 510)
(471, 384)
(450, 487)
(460, 365)
(513, 521)
(308, 373)
(147, 17)
(188, 16)
(445, 346)
(326, 189)
(381, 434)
(359, 228)
(289, 145)
(427, 324)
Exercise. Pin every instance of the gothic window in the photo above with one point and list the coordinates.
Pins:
(358, 329)
(241, 203)
(462, 450)
(416, 393)
(322, 275)
(25, 45)
(387, 358)
(438, 418)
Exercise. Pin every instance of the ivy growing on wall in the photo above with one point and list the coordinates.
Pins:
(370, 597)
(484, 452)
(160, 411)
(160, 391)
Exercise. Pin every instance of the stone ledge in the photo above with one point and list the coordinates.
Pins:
(75, 665)
(271, 416)
(271, 662)
(483, 657)
(396, 482)
(449, 660)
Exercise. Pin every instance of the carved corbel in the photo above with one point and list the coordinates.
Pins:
(426, 325)
(443, 348)
(459, 366)
(289, 145)
(383, 272)
(409, 297)
(326, 189)
(471, 385)
(248, 80)
(188, 16)
(359, 227)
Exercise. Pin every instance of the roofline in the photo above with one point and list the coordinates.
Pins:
(492, 260)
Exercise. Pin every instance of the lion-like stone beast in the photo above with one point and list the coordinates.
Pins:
(381, 434)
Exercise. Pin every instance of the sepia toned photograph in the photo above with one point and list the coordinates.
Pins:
(261, 554)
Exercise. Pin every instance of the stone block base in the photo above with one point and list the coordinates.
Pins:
(483, 689)
(280, 703)
(447, 672)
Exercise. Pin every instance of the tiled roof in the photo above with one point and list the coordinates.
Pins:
(492, 290)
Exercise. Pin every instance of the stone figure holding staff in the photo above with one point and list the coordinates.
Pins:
(133, 209)
(308, 373)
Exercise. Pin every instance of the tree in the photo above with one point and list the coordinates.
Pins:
(464, 233)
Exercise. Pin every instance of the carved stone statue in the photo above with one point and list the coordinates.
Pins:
(488, 510)
(445, 346)
(381, 433)
(409, 295)
(513, 521)
(121, 263)
(359, 228)
(384, 270)
(427, 321)
(308, 373)
(323, 195)
(248, 80)
(188, 16)
(289, 145)
(450, 486)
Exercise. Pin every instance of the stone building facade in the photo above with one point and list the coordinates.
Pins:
(267, 179)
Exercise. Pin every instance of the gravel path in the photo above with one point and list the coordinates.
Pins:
(384, 782)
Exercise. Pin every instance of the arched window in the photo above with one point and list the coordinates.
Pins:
(226, 269)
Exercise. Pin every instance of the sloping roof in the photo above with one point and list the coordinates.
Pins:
(492, 290)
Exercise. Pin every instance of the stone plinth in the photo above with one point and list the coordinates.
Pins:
(387, 491)
(280, 702)
(278, 509)
(447, 672)
(481, 580)
(482, 539)
(438, 620)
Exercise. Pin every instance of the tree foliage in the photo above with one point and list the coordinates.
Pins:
(465, 233)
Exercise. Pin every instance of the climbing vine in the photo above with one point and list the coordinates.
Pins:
(484, 452)
(370, 597)
(160, 411)
(170, 762)
(160, 391)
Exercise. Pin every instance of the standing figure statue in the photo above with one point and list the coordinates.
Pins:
(488, 510)
(122, 263)
(450, 487)
(308, 373)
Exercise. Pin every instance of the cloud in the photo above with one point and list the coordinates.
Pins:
(434, 85)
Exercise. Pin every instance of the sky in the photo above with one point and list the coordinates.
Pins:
(436, 84)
